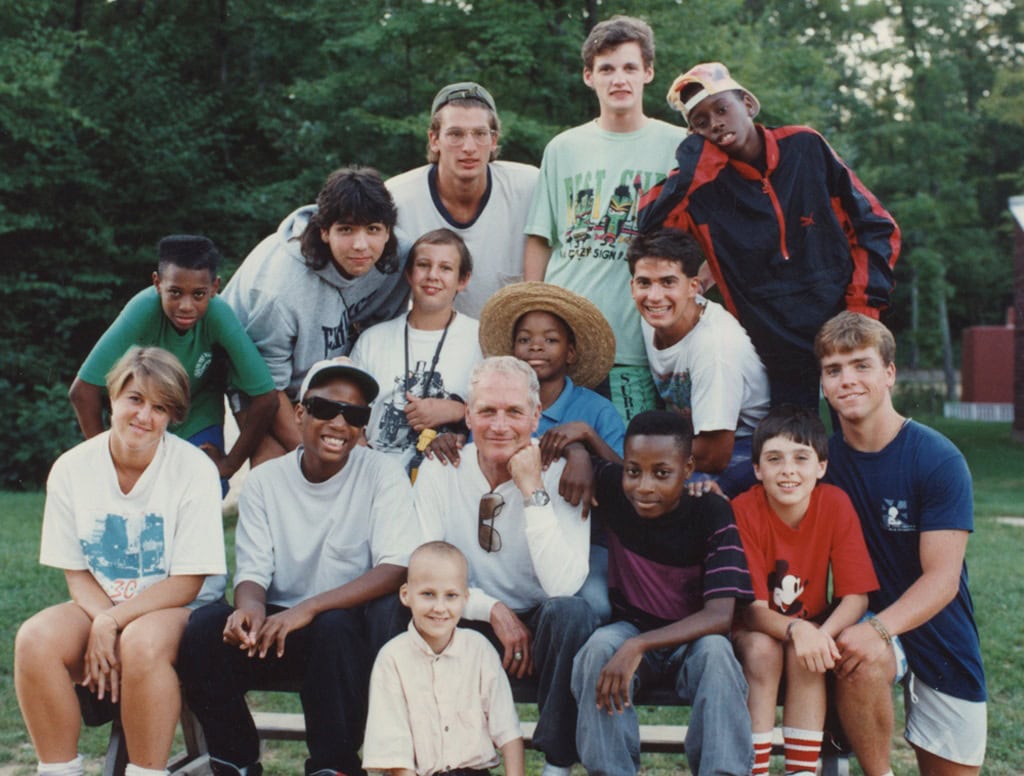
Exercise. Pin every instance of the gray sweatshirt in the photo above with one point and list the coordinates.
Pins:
(297, 315)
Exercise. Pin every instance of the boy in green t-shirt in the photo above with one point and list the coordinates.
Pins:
(182, 314)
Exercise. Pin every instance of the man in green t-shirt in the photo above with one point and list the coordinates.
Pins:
(584, 211)
(183, 314)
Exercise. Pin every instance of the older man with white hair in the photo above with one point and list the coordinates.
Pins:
(527, 546)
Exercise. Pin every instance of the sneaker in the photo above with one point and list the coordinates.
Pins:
(556, 770)
(326, 772)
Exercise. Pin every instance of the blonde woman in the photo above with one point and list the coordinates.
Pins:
(133, 517)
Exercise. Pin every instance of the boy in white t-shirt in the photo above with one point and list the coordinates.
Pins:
(701, 359)
(437, 677)
(422, 359)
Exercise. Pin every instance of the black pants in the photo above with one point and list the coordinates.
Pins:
(331, 657)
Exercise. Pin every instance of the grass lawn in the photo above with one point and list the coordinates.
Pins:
(993, 559)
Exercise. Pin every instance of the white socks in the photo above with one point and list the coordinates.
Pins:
(72, 768)
(135, 770)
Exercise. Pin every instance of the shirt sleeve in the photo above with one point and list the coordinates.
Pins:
(199, 529)
(429, 499)
(254, 542)
(502, 719)
(610, 428)
(748, 520)
(272, 330)
(725, 565)
(60, 546)
(852, 570)
(717, 387)
(395, 531)
(559, 540)
(541, 221)
(388, 741)
(947, 501)
(137, 317)
(872, 233)
(249, 372)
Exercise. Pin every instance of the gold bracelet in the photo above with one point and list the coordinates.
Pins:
(880, 628)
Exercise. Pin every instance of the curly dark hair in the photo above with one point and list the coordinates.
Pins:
(351, 195)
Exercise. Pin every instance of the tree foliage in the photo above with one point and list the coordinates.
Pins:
(127, 120)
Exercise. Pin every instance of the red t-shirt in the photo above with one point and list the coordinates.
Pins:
(789, 567)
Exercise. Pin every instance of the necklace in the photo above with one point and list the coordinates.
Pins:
(433, 362)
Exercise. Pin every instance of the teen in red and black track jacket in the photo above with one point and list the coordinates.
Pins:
(788, 247)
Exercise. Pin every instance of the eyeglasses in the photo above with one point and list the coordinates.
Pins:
(325, 409)
(490, 507)
(456, 137)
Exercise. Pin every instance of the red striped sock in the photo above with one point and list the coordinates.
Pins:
(762, 753)
(802, 749)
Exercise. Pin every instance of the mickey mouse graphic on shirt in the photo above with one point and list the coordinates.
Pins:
(786, 589)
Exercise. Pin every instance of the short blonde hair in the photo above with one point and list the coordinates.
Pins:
(851, 331)
(442, 549)
(158, 373)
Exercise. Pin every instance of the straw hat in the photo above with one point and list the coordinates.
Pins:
(595, 342)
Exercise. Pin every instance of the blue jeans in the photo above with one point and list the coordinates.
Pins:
(595, 586)
(707, 676)
(331, 658)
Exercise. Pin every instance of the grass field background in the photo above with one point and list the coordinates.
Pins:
(993, 557)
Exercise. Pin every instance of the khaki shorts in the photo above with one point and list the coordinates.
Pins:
(948, 727)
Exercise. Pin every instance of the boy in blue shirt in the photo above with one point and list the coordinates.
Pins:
(182, 314)
(912, 491)
(676, 572)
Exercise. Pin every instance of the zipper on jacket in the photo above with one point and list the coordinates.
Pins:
(766, 187)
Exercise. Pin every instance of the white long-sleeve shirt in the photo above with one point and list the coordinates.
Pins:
(544, 550)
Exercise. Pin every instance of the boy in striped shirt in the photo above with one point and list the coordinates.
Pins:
(676, 572)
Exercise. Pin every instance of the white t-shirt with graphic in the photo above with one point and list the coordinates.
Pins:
(169, 524)
(381, 352)
(713, 373)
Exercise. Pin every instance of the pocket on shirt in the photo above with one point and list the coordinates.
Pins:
(341, 563)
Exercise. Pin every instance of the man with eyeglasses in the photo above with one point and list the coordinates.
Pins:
(527, 545)
(464, 189)
(323, 540)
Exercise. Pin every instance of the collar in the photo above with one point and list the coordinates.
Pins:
(454, 648)
(435, 197)
(771, 156)
(558, 408)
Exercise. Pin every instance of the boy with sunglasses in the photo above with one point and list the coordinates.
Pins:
(324, 537)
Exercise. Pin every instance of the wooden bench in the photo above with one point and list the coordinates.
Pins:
(290, 726)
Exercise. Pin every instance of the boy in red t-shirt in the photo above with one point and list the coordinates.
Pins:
(793, 531)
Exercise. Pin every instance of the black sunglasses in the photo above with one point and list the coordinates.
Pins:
(490, 508)
(325, 409)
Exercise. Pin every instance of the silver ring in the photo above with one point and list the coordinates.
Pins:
(517, 655)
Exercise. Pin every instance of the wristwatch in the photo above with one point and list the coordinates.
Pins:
(539, 498)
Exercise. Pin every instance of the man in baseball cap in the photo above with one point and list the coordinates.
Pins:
(464, 188)
(702, 81)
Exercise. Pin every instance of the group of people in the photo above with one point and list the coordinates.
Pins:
(488, 395)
